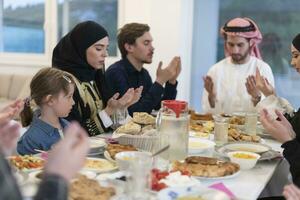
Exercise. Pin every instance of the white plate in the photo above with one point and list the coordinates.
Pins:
(247, 146)
(173, 193)
(97, 145)
(109, 166)
(218, 178)
(26, 170)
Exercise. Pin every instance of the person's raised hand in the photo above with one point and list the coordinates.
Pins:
(263, 84)
(291, 192)
(67, 157)
(168, 73)
(11, 110)
(9, 134)
(208, 84)
(251, 87)
(136, 96)
(178, 70)
(279, 129)
(112, 104)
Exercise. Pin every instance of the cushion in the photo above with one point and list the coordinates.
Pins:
(5, 82)
(19, 84)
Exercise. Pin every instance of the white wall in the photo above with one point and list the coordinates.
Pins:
(171, 27)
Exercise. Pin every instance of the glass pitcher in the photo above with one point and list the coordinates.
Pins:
(173, 120)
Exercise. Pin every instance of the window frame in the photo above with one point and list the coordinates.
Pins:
(51, 35)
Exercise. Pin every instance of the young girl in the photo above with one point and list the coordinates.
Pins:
(52, 91)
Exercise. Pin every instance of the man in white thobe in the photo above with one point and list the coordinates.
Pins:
(230, 85)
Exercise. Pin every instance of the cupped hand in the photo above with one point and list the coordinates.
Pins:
(177, 70)
(280, 129)
(208, 84)
(291, 192)
(68, 156)
(112, 104)
(9, 134)
(251, 87)
(263, 84)
(168, 73)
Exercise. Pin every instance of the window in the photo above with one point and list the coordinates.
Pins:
(22, 26)
(104, 12)
(30, 29)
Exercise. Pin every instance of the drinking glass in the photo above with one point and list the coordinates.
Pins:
(139, 177)
(221, 130)
(119, 117)
(250, 123)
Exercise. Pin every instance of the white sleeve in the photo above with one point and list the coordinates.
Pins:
(105, 118)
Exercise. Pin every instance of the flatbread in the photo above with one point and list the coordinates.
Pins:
(130, 128)
(143, 118)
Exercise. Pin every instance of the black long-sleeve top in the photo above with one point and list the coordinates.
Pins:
(122, 75)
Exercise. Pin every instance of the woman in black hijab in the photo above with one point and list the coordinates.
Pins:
(287, 129)
(82, 53)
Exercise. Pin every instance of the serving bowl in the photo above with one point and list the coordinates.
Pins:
(246, 160)
(123, 159)
(201, 146)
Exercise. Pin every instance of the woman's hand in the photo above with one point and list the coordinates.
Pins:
(112, 104)
(136, 96)
(280, 129)
(291, 192)
(130, 97)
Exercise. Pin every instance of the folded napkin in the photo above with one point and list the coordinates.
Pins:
(221, 187)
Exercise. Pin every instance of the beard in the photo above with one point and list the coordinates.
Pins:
(240, 58)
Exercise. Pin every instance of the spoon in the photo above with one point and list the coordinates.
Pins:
(161, 150)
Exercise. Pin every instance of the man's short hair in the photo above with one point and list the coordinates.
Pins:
(129, 33)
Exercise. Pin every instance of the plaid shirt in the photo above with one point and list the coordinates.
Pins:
(52, 187)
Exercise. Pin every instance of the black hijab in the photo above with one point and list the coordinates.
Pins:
(296, 42)
(70, 53)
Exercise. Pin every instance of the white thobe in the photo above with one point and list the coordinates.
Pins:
(229, 84)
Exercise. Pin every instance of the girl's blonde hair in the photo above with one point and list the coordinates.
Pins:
(47, 81)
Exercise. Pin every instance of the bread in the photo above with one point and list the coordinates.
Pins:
(206, 167)
(205, 117)
(143, 118)
(129, 128)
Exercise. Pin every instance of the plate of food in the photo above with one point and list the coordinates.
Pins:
(265, 151)
(86, 188)
(37, 176)
(99, 165)
(191, 193)
(26, 163)
(113, 149)
(236, 135)
(97, 145)
(207, 168)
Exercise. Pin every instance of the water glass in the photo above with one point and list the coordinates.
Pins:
(161, 161)
(139, 177)
(250, 123)
(221, 131)
(119, 117)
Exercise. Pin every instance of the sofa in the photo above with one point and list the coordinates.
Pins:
(14, 85)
